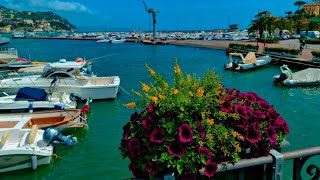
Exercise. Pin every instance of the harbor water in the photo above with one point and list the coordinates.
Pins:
(97, 156)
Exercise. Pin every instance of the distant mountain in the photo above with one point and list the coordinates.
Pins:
(34, 20)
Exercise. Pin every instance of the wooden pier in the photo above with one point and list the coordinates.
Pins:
(280, 59)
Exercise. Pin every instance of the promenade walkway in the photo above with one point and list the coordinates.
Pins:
(223, 44)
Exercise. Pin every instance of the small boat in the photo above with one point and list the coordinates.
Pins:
(61, 119)
(107, 40)
(38, 99)
(28, 147)
(4, 40)
(22, 148)
(249, 62)
(309, 76)
(117, 41)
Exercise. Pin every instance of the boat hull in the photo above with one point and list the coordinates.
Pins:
(21, 161)
(92, 89)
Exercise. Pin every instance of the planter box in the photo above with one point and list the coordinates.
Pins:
(272, 53)
(290, 55)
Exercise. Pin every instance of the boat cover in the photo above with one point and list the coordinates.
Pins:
(29, 93)
(307, 75)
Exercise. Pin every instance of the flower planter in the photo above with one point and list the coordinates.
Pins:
(196, 124)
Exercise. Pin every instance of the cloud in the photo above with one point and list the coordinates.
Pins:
(55, 5)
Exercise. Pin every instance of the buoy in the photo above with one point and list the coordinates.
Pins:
(34, 162)
(79, 60)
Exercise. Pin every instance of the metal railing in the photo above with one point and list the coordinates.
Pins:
(272, 165)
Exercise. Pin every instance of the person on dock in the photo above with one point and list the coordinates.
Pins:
(302, 44)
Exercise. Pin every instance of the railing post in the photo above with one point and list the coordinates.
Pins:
(278, 164)
(296, 169)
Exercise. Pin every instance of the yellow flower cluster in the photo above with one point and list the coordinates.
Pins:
(200, 92)
(236, 135)
(177, 69)
(130, 105)
(145, 87)
(210, 122)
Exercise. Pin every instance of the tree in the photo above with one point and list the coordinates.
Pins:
(283, 24)
(300, 24)
(288, 13)
(299, 4)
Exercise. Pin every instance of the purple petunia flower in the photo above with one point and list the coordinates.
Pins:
(272, 114)
(258, 114)
(201, 130)
(175, 148)
(152, 168)
(188, 175)
(231, 97)
(250, 97)
(150, 108)
(210, 169)
(285, 127)
(147, 123)
(185, 133)
(134, 148)
(204, 150)
(157, 136)
(135, 117)
(263, 105)
(241, 111)
(252, 136)
(226, 106)
(272, 135)
(256, 126)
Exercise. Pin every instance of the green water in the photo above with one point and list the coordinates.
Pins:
(97, 156)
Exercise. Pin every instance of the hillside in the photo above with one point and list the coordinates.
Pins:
(33, 21)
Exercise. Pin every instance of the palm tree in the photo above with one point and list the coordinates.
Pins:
(299, 4)
(283, 24)
(300, 24)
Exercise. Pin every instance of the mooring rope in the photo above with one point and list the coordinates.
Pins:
(125, 91)
(100, 57)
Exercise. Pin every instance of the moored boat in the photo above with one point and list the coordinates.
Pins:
(23, 148)
(62, 119)
(70, 77)
(249, 62)
(306, 77)
(38, 99)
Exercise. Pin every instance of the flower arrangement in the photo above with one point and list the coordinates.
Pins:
(196, 123)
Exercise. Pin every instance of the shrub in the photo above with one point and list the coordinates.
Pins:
(310, 41)
(196, 123)
(269, 40)
(284, 50)
(315, 54)
(242, 46)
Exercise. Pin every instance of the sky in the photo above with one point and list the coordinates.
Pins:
(108, 15)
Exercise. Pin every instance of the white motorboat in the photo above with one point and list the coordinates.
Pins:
(309, 76)
(117, 41)
(34, 99)
(61, 119)
(69, 77)
(4, 40)
(106, 40)
(22, 148)
(249, 62)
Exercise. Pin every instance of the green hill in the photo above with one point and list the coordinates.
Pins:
(21, 19)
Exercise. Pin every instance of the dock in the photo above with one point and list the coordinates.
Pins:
(63, 38)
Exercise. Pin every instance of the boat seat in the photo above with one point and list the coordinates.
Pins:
(13, 140)
(250, 58)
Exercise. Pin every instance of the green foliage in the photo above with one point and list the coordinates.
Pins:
(242, 46)
(269, 40)
(310, 41)
(283, 50)
(315, 54)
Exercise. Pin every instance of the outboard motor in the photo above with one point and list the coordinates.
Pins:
(279, 78)
(234, 65)
(54, 136)
(77, 98)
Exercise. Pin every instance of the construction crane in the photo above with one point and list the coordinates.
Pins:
(154, 20)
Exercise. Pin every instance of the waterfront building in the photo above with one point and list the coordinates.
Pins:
(312, 9)
(315, 1)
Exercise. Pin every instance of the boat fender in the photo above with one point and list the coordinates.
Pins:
(58, 106)
(33, 134)
(5, 138)
(34, 162)
(30, 108)
(77, 98)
